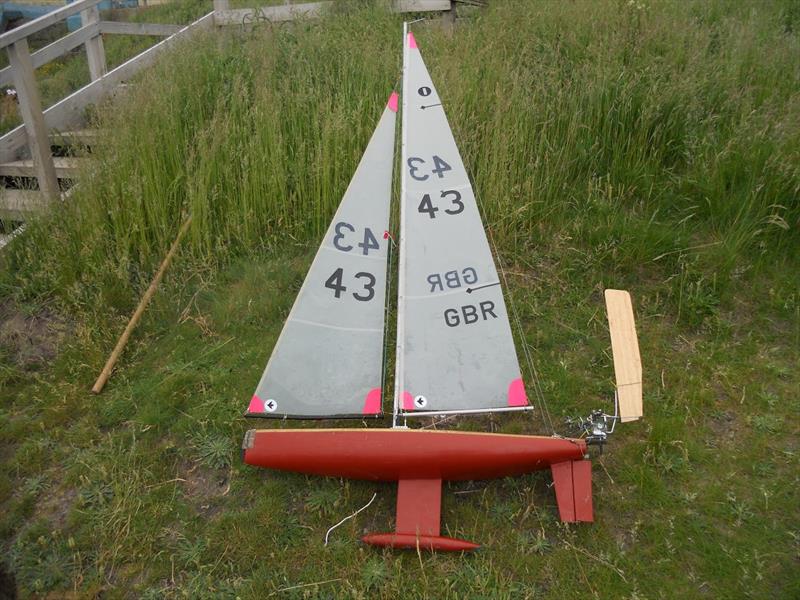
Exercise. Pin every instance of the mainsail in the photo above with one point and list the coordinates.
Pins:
(328, 359)
(455, 351)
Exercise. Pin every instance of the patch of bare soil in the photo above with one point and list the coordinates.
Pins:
(725, 428)
(30, 340)
(8, 585)
(55, 505)
(203, 487)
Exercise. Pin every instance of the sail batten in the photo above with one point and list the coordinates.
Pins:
(330, 326)
(327, 361)
(455, 350)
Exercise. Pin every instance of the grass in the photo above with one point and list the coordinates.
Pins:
(649, 146)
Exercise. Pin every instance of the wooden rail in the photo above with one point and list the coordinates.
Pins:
(130, 28)
(224, 15)
(31, 140)
(54, 50)
(32, 137)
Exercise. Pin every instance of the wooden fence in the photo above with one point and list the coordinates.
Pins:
(31, 140)
(224, 15)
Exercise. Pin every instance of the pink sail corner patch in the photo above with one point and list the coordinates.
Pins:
(412, 42)
(408, 401)
(256, 405)
(392, 104)
(372, 403)
(516, 393)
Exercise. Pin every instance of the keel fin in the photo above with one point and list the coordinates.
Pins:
(419, 505)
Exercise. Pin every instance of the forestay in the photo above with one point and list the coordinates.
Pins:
(328, 359)
(455, 351)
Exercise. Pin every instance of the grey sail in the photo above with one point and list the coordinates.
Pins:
(327, 361)
(455, 351)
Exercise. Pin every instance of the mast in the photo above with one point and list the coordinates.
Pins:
(401, 259)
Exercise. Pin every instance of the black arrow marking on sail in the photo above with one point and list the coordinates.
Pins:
(480, 287)
(423, 107)
(271, 404)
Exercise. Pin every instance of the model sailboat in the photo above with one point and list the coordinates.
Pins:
(455, 352)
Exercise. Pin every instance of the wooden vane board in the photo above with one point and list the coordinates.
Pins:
(625, 348)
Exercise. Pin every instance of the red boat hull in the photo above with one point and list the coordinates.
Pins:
(419, 460)
(393, 454)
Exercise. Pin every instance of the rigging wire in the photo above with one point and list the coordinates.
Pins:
(537, 388)
(386, 308)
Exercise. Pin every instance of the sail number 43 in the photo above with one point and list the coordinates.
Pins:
(457, 206)
(340, 233)
(417, 168)
(367, 293)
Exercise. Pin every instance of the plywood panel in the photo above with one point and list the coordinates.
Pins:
(625, 348)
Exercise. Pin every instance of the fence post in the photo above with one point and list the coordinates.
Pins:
(30, 105)
(95, 53)
(218, 6)
(449, 18)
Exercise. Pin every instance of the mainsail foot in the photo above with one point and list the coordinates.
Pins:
(420, 460)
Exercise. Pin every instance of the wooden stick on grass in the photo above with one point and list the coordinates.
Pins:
(123, 339)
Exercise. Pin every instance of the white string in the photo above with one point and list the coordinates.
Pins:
(375, 495)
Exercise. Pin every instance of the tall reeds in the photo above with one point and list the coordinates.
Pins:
(634, 127)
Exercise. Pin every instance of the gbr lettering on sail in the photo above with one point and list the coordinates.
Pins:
(447, 203)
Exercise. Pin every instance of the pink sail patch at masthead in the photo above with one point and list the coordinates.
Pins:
(392, 104)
